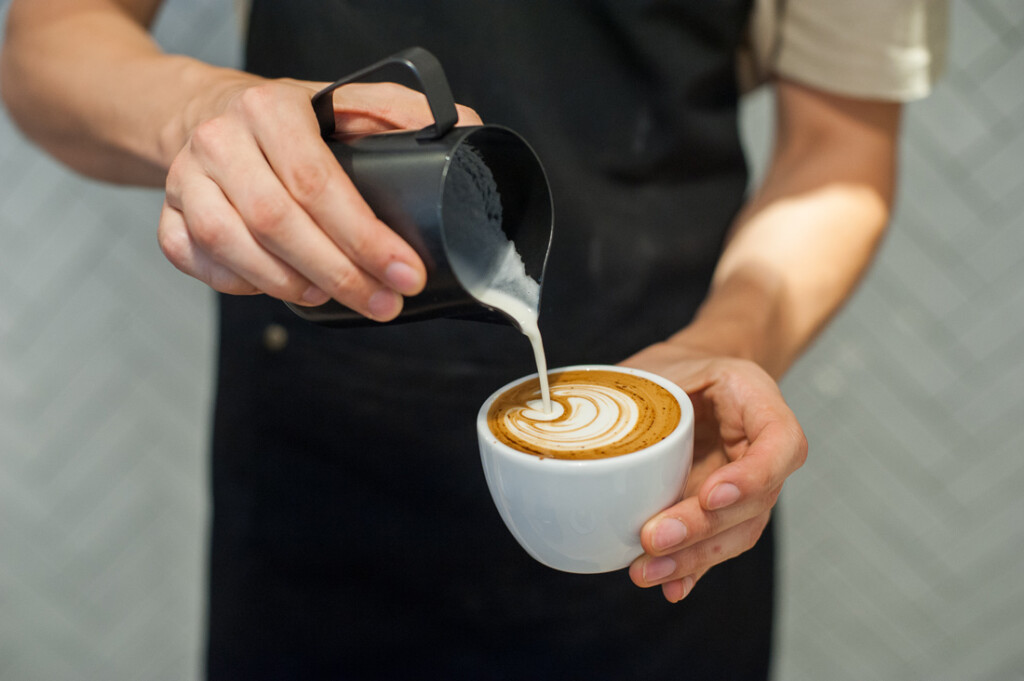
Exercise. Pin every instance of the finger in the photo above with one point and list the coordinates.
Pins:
(218, 231)
(231, 159)
(778, 449)
(688, 522)
(367, 108)
(648, 570)
(467, 116)
(183, 253)
(678, 589)
(730, 495)
(313, 177)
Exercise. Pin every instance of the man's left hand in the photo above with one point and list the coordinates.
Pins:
(746, 443)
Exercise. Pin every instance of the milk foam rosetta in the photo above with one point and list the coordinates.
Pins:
(595, 414)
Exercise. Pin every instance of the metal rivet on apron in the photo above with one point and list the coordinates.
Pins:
(275, 337)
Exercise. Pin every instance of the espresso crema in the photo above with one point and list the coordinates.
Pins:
(595, 414)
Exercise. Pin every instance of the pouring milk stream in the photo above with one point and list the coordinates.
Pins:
(514, 292)
(485, 259)
(513, 296)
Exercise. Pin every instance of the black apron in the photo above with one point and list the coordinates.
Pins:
(353, 534)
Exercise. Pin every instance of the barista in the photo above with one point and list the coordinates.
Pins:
(352, 532)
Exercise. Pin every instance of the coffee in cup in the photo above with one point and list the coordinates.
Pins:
(595, 413)
(575, 486)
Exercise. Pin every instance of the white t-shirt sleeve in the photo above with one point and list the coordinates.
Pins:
(876, 49)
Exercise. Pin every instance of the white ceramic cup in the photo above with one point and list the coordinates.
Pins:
(585, 516)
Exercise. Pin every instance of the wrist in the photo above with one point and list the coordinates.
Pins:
(208, 91)
(739, 319)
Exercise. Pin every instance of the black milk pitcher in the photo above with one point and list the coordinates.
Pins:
(438, 187)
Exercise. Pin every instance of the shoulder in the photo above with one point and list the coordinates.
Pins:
(876, 49)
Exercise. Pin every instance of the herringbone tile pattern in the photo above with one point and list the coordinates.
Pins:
(105, 358)
(903, 537)
(904, 534)
(103, 393)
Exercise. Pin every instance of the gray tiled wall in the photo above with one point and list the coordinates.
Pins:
(904, 535)
(902, 538)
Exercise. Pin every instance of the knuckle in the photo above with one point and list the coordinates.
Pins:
(289, 291)
(285, 285)
(802, 447)
(307, 181)
(701, 555)
(210, 233)
(714, 522)
(343, 281)
(174, 245)
(360, 241)
(267, 218)
(175, 180)
(764, 480)
(208, 138)
(257, 99)
(224, 281)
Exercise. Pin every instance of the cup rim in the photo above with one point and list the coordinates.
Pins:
(686, 420)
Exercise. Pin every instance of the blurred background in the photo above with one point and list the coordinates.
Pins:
(902, 539)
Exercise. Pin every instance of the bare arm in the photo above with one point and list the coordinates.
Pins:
(85, 81)
(255, 201)
(794, 256)
(800, 246)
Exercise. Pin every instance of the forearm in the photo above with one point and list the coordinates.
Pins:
(797, 251)
(770, 296)
(86, 82)
(794, 255)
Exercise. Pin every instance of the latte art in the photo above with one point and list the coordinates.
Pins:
(595, 414)
(582, 415)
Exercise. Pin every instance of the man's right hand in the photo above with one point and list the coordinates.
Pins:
(255, 200)
(257, 203)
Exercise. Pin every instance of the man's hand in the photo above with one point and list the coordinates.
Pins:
(794, 254)
(746, 443)
(256, 202)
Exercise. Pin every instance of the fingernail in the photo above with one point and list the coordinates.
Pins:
(668, 532)
(384, 305)
(687, 586)
(315, 296)
(723, 495)
(403, 278)
(658, 568)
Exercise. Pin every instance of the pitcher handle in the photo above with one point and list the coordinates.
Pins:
(428, 72)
